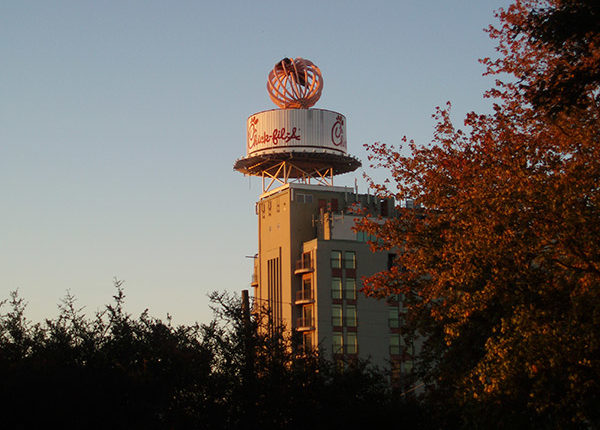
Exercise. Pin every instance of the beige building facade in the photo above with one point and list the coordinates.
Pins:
(309, 270)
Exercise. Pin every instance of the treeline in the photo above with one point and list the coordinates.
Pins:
(116, 371)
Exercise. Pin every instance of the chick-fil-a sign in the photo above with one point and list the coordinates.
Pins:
(337, 132)
(289, 130)
(275, 137)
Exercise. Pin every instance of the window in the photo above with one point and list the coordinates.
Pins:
(336, 315)
(336, 259)
(362, 236)
(305, 293)
(307, 312)
(350, 289)
(338, 343)
(303, 198)
(307, 343)
(274, 290)
(351, 316)
(351, 343)
(393, 319)
(401, 304)
(350, 260)
(395, 344)
(336, 288)
(306, 260)
(384, 210)
(390, 260)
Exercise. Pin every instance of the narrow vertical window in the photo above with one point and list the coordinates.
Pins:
(307, 318)
(334, 205)
(336, 315)
(395, 344)
(401, 306)
(350, 260)
(306, 292)
(306, 261)
(393, 319)
(336, 259)
(338, 343)
(351, 316)
(350, 289)
(351, 343)
(336, 288)
(384, 208)
(307, 343)
(390, 260)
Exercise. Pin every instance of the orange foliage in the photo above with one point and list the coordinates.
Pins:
(500, 264)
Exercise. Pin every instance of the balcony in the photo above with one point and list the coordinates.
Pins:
(304, 297)
(304, 265)
(305, 324)
(254, 280)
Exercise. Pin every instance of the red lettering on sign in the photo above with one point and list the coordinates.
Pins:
(337, 131)
(278, 135)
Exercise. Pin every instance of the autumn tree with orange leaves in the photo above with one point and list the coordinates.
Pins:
(499, 264)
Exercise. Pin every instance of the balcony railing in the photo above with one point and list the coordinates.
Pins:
(304, 296)
(304, 265)
(254, 280)
(305, 323)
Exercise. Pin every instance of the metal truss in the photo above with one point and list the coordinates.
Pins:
(288, 172)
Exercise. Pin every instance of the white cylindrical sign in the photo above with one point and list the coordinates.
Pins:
(290, 130)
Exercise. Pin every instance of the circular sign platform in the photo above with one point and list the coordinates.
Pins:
(313, 139)
(300, 163)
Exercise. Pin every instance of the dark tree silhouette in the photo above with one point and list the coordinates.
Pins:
(115, 371)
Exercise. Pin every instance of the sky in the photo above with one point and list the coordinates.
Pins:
(120, 122)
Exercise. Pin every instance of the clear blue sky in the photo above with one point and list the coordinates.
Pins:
(120, 122)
